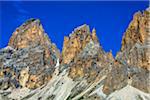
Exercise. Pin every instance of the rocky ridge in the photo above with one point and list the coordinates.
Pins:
(32, 68)
(131, 64)
(30, 57)
(136, 41)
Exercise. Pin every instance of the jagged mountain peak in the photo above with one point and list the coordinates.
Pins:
(30, 33)
(32, 49)
(77, 41)
(30, 22)
(136, 40)
(80, 32)
(30, 67)
(137, 30)
(84, 26)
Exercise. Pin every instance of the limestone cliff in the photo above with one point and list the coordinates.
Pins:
(30, 68)
(29, 47)
(131, 64)
(136, 40)
(76, 42)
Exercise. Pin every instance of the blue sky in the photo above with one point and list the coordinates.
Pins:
(110, 19)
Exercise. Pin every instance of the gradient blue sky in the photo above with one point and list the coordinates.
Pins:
(110, 19)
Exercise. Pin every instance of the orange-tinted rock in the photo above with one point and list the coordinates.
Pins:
(89, 63)
(94, 36)
(76, 42)
(131, 66)
(135, 45)
(29, 47)
(32, 62)
(30, 34)
(83, 54)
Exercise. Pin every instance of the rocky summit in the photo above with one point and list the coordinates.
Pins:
(32, 68)
(30, 58)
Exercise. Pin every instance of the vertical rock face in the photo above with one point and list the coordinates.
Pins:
(83, 54)
(86, 71)
(123, 74)
(132, 62)
(28, 34)
(29, 47)
(88, 63)
(147, 40)
(137, 31)
(75, 43)
(31, 34)
(135, 44)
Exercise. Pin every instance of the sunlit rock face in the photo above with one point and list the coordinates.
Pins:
(29, 47)
(31, 67)
(83, 54)
(31, 34)
(131, 64)
(76, 42)
(136, 40)
(88, 63)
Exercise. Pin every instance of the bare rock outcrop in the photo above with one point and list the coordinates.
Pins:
(29, 48)
(76, 42)
(136, 40)
(83, 54)
(31, 67)
(131, 64)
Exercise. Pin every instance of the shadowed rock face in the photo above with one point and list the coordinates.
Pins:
(30, 67)
(122, 75)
